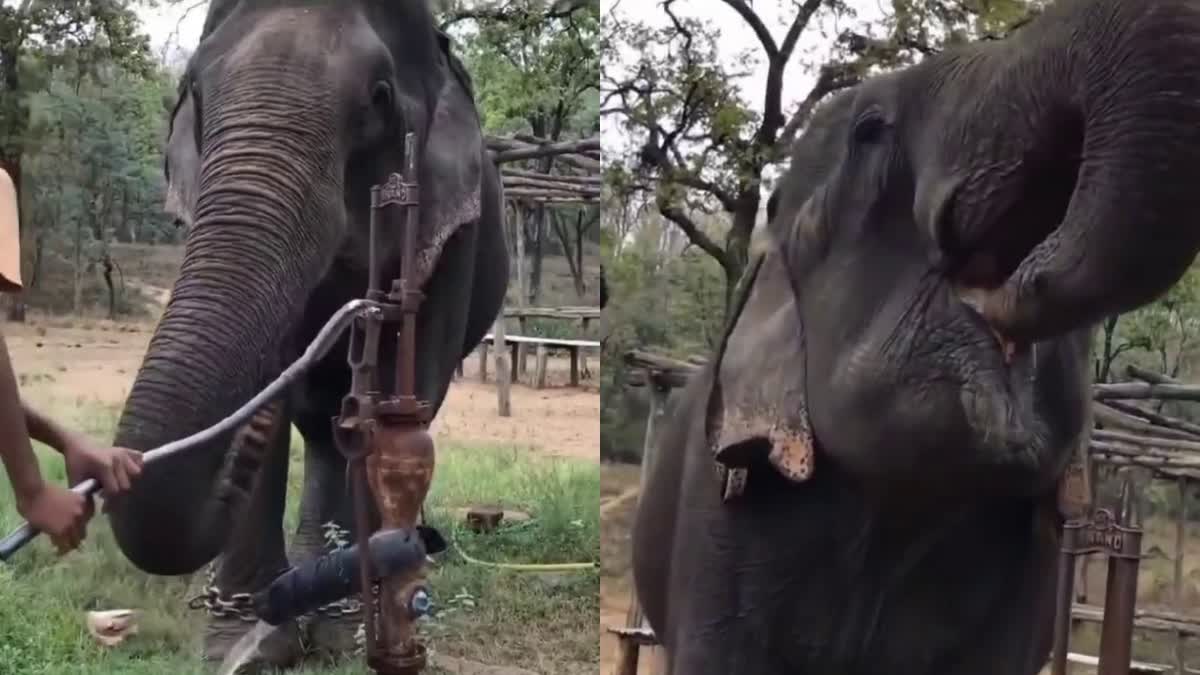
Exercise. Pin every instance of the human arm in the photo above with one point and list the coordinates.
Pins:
(58, 512)
(114, 468)
(15, 449)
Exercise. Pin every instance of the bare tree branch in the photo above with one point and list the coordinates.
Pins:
(833, 77)
(509, 12)
(760, 29)
(694, 233)
(772, 103)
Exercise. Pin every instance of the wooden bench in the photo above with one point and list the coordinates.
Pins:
(544, 345)
(584, 315)
(1135, 667)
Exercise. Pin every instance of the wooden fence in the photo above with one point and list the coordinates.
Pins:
(574, 181)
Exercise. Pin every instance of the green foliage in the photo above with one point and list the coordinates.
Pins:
(41, 621)
(681, 82)
(92, 176)
(697, 141)
(80, 132)
(533, 73)
(918, 27)
(101, 137)
(1168, 327)
(668, 304)
(535, 65)
(78, 35)
(1162, 337)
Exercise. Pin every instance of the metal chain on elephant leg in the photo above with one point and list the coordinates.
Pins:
(241, 605)
(238, 606)
(339, 608)
(249, 447)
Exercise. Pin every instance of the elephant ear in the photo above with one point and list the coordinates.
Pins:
(451, 170)
(182, 162)
(757, 407)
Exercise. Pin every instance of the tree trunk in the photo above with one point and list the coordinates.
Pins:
(112, 290)
(580, 284)
(39, 253)
(1104, 364)
(603, 288)
(538, 218)
(549, 125)
(522, 286)
(737, 242)
(574, 263)
(77, 298)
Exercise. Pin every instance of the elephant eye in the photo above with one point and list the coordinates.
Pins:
(869, 128)
(381, 96)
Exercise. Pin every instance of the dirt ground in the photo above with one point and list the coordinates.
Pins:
(67, 362)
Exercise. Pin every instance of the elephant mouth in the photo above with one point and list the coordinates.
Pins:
(1000, 400)
(979, 274)
(1011, 350)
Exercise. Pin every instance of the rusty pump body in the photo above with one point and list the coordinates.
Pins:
(385, 438)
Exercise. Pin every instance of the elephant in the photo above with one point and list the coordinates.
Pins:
(287, 114)
(865, 477)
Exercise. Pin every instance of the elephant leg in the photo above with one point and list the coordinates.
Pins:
(253, 558)
(326, 515)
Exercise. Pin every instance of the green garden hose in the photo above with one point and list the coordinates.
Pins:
(526, 567)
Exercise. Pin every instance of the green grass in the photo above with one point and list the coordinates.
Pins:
(544, 623)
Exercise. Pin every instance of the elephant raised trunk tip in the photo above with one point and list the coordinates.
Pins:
(1123, 241)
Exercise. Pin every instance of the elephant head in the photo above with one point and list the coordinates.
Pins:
(287, 114)
(1073, 146)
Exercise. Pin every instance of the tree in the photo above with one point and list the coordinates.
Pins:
(1159, 336)
(700, 145)
(1112, 345)
(536, 70)
(82, 34)
(94, 163)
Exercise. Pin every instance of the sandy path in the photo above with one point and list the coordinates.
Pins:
(67, 363)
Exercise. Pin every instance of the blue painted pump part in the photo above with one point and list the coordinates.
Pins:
(335, 575)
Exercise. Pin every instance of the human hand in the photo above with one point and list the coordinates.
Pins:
(114, 468)
(60, 513)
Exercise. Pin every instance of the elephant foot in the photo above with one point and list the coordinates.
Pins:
(333, 631)
(264, 648)
(231, 616)
(225, 641)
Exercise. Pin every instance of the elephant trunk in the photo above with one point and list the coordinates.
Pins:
(267, 218)
(1111, 90)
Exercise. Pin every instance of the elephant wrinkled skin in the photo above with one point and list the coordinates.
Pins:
(287, 114)
(897, 509)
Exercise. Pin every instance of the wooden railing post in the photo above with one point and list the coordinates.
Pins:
(504, 401)
(1118, 537)
(1120, 598)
